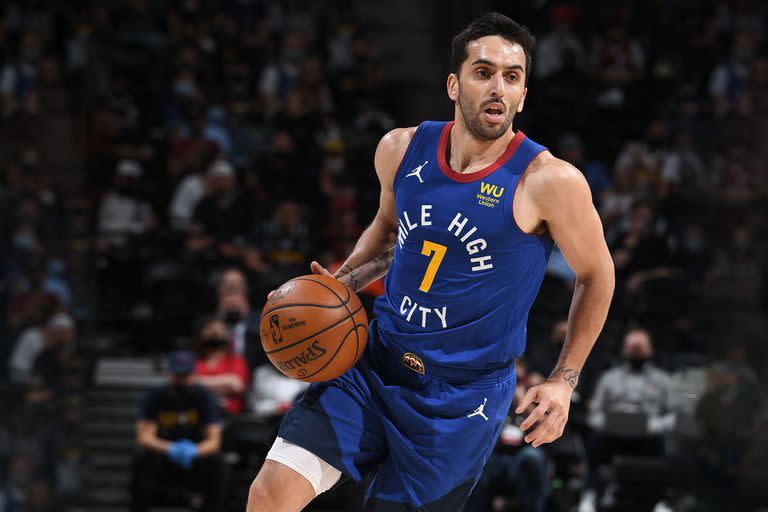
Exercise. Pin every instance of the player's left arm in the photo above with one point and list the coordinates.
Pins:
(563, 201)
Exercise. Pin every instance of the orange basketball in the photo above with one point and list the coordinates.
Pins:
(314, 328)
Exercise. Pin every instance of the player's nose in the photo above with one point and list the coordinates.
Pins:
(497, 85)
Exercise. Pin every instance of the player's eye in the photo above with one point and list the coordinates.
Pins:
(482, 73)
(512, 77)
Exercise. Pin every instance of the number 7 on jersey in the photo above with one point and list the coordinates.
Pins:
(437, 252)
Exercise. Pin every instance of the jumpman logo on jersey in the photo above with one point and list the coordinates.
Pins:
(416, 172)
(479, 411)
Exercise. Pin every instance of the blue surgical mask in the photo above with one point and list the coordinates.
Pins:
(184, 89)
(24, 242)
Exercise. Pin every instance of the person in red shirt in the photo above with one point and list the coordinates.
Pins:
(219, 368)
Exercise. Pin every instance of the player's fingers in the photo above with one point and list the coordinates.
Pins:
(548, 437)
(528, 398)
(554, 431)
(545, 432)
(318, 269)
(536, 414)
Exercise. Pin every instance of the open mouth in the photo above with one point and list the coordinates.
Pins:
(494, 114)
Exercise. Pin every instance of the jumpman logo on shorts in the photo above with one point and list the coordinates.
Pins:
(479, 411)
(416, 172)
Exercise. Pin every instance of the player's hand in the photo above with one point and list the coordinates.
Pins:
(552, 401)
(319, 269)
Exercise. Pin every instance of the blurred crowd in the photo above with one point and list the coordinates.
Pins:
(165, 163)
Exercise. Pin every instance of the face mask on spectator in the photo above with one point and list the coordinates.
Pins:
(24, 242)
(30, 53)
(184, 88)
(232, 317)
(637, 362)
(224, 194)
(694, 245)
(215, 343)
(128, 189)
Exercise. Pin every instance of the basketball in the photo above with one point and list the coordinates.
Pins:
(313, 328)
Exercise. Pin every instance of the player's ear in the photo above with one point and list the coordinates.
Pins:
(453, 86)
(522, 101)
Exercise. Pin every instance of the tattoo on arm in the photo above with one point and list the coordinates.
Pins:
(570, 376)
(346, 269)
(352, 279)
(360, 277)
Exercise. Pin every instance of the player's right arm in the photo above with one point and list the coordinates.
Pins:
(373, 253)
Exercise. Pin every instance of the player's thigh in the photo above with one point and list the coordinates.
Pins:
(278, 488)
(339, 422)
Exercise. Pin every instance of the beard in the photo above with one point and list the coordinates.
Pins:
(474, 122)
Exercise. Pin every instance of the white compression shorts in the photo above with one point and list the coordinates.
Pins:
(319, 473)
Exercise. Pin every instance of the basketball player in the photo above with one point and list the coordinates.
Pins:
(468, 213)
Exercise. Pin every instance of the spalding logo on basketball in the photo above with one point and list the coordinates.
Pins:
(314, 328)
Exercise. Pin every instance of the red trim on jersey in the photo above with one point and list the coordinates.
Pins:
(473, 176)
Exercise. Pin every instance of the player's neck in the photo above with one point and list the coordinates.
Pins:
(467, 154)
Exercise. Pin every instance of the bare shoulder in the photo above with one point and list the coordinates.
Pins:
(546, 171)
(550, 180)
(390, 152)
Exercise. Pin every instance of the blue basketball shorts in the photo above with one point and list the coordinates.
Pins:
(424, 432)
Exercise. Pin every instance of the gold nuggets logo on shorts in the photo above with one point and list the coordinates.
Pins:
(413, 362)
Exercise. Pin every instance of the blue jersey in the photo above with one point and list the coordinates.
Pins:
(464, 275)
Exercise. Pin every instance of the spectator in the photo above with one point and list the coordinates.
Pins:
(730, 78)
(18, 478)
(616, 201)
(695, 256)
(619, 62)
(281, 168)
(219, 368)
(513, 462)
(728, 415)
(572, 150)
(628, 412)
(272, 393)
(279, 78)
(280, 248)
(682, 170)
(30, 301)
(234, 309)
(179, 434)
(19, 79)
(123, 213)
(189, 148)
(61, 366)
(186, 198)
(221, 220)
(59, 331)
(561, 47)
(739, 268)
(639, 253)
